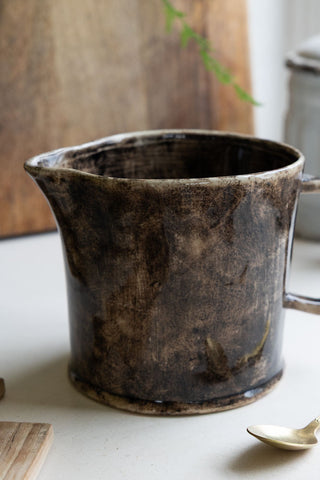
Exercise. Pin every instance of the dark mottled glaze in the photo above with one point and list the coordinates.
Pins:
(2, 388)
(176, 245)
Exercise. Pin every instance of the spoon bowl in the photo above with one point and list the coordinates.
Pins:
(287, 438)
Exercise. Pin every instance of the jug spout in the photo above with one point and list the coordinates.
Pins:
(44, 164)
(46, 171)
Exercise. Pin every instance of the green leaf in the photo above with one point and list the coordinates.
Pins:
(206, 59)
(186, 35)
(171, 14)
(202, 42)
(243, 95)
(212, 65)
(170, 18)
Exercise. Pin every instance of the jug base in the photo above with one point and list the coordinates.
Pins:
(147, 407)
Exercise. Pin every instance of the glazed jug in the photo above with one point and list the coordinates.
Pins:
(177, 246)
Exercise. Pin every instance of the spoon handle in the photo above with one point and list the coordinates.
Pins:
(314, 425)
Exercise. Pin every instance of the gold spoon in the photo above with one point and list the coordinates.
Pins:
(287, 438)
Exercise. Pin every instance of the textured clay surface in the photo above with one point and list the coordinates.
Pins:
(176, 263)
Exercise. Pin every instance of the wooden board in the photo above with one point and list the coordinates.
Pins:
(77, 71)
(23, 449)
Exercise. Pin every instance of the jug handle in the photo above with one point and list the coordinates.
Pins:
(309, 184)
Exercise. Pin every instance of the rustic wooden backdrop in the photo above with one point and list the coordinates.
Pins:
(74, 71)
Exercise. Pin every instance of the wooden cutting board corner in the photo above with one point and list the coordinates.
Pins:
(131, 75)
(23, 449)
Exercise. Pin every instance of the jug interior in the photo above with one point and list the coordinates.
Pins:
(180, 156)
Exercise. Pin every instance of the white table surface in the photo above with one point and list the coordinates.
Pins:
(93, 441)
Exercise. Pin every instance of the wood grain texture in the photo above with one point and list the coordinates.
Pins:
(76, 71)
(23, 449)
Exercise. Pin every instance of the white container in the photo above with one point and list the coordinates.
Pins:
(302, 128)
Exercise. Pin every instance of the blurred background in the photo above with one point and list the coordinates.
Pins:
(275, 28)
(75, 71)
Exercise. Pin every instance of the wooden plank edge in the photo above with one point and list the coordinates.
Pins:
(24, 448)
(39, 459)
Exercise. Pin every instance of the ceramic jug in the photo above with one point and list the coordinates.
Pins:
(176, 245)
(303, 126)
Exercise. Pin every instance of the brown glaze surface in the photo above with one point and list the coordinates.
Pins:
(176, 264)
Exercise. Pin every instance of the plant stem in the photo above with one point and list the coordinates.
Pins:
(187, 34)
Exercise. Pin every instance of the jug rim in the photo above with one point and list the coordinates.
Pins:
(49, 162)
